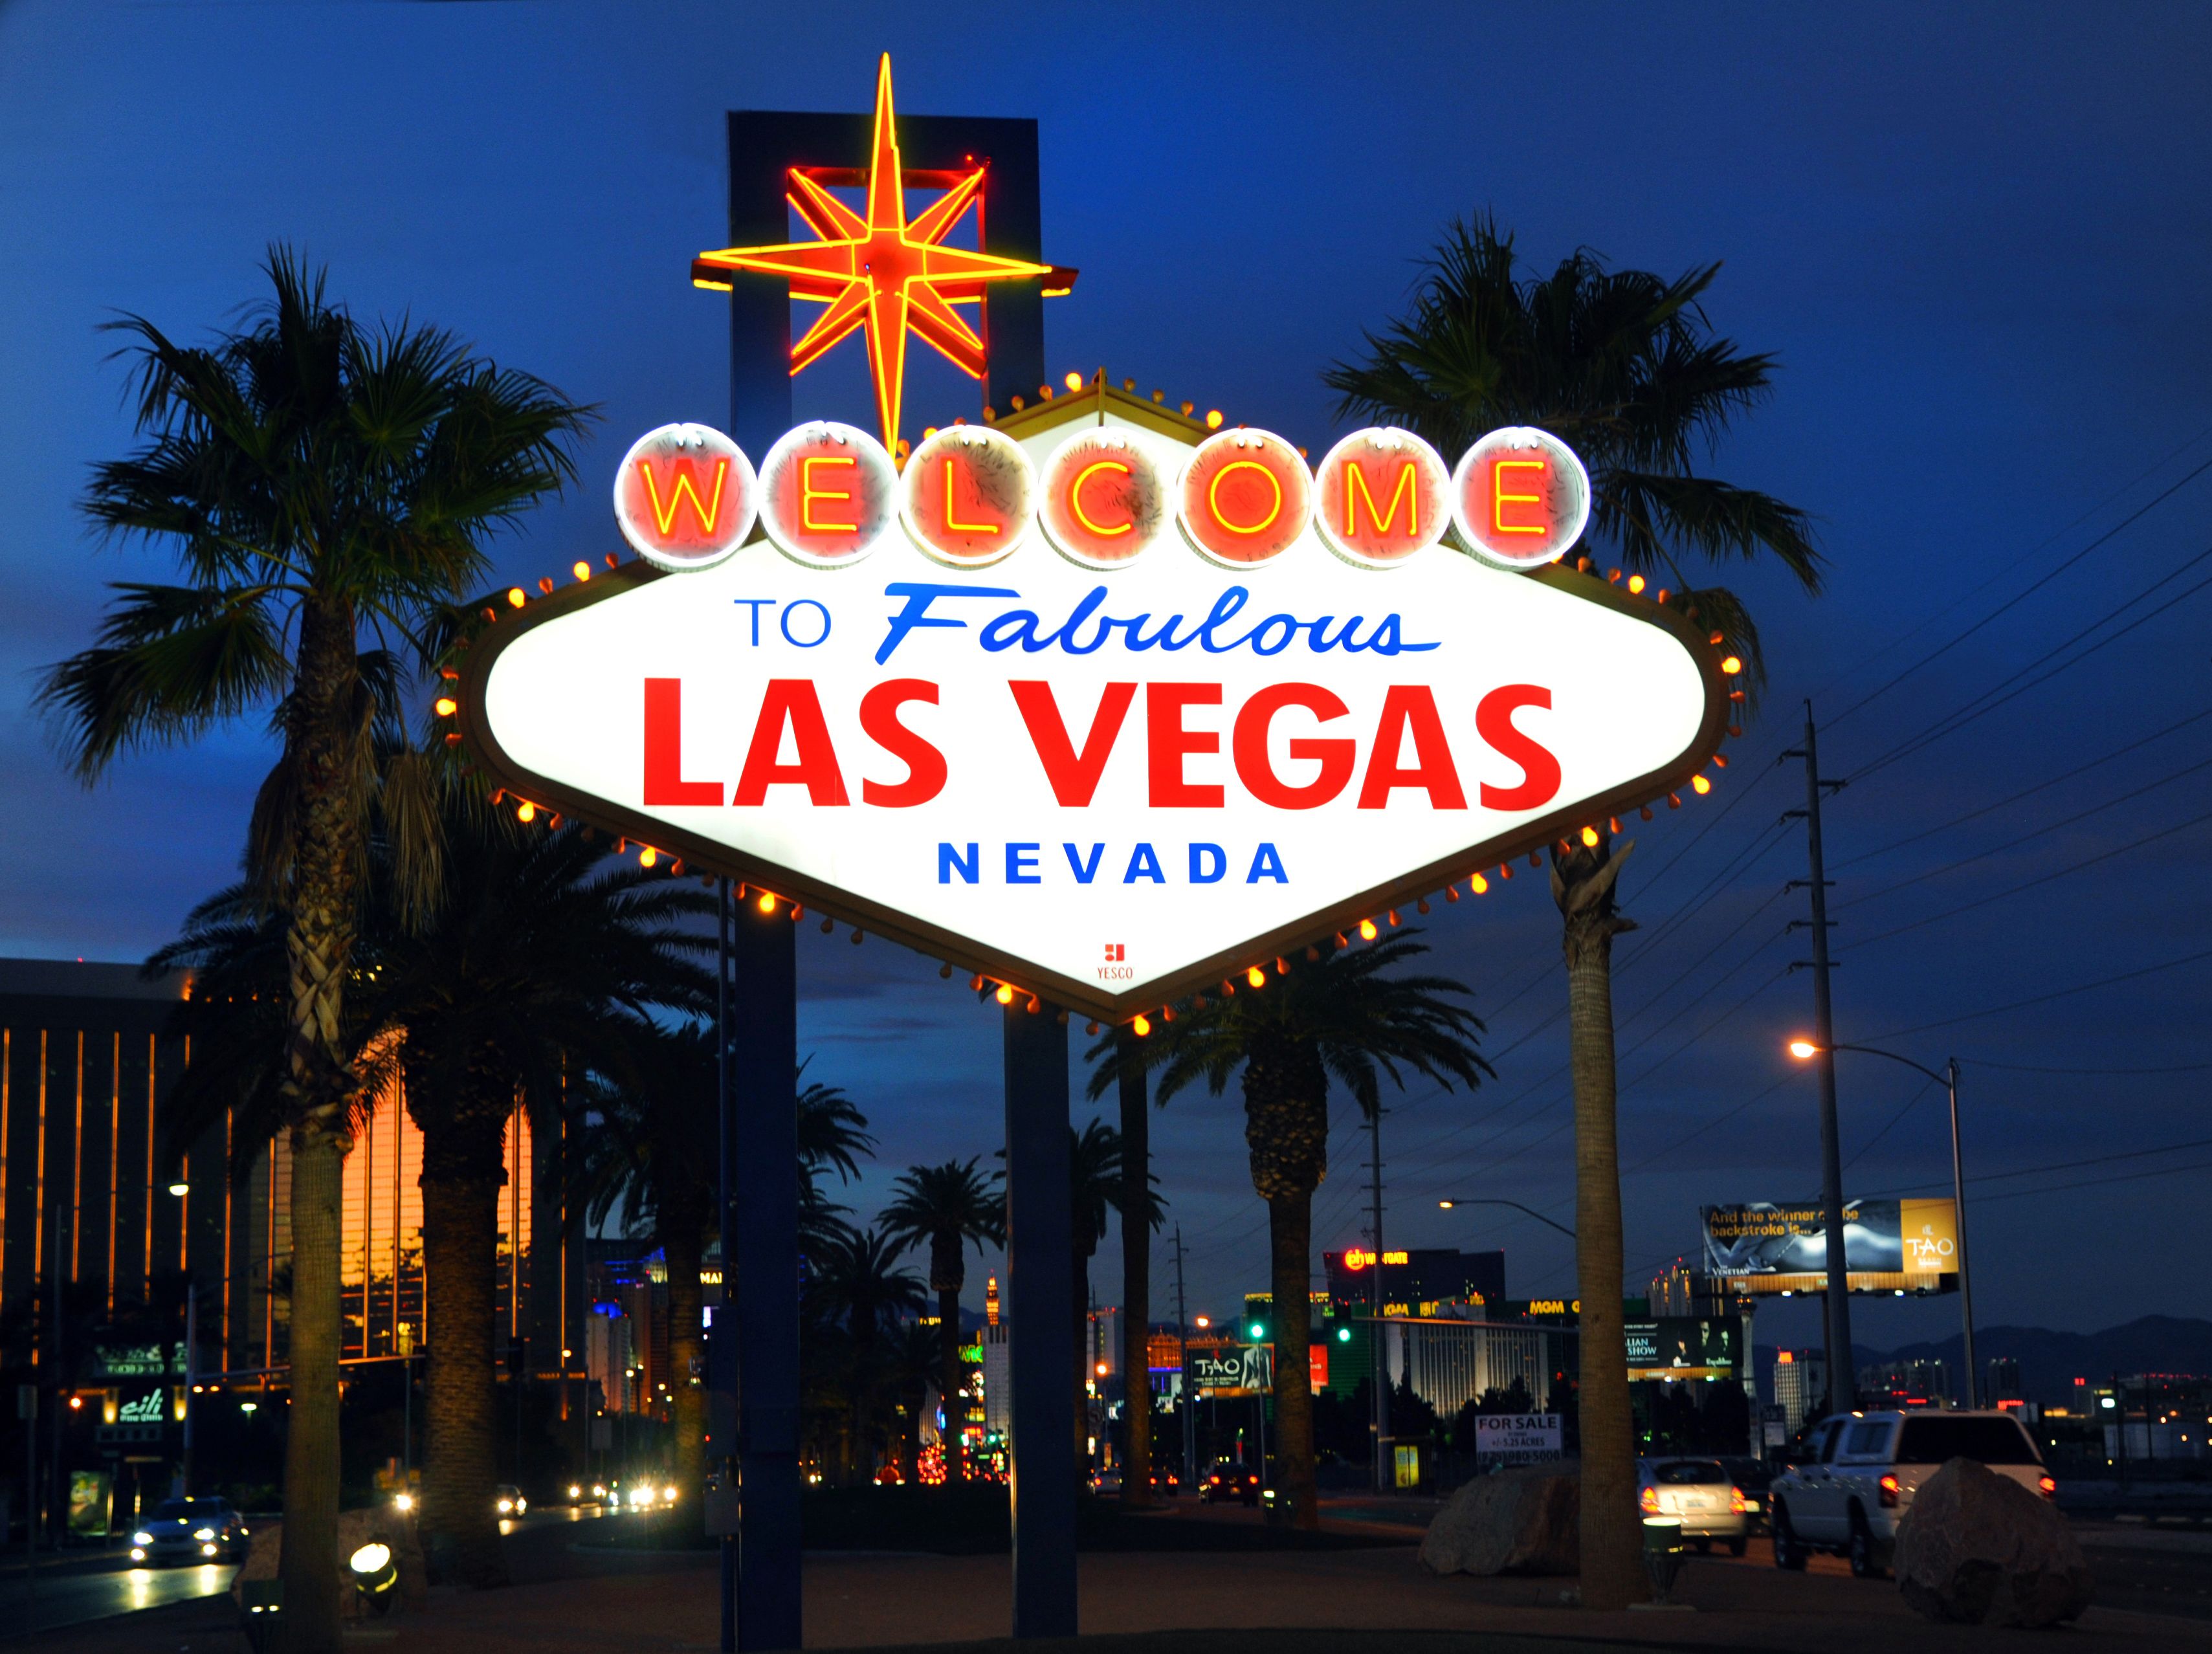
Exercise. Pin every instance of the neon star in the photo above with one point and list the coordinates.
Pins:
(880, 273)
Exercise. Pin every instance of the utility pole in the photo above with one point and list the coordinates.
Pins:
(1185, 1400)
(1376, 1381)
(1842, 1377)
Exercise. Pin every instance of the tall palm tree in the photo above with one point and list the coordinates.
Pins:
(947, 1208)
(1136, 1275)
(1338, 1015)
(858, 1289)
(323, 483)
(1624, 367)
(543, 961)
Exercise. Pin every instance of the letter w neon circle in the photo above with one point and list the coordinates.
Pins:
(705, 513)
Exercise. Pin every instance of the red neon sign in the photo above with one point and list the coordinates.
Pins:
(879, 274)
(1245, 496)
(828, 493)
(685, 496)
(1381, 496)
(968, 491)
(1104, 499)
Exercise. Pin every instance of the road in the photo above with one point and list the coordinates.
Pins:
(71, 1593)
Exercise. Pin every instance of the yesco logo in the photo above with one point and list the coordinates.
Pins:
(1102, 710)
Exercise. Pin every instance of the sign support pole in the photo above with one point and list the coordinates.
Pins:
(1040, 1261)
(722, 1345)
(763, 1164)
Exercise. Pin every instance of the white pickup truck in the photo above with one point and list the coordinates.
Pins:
(1851, 1483)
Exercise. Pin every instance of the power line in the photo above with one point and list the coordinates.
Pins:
(2028, 591)
(2045, 878)
(2042, 999)
(2038, 1068)
(1959, 717)
(2166, 779)
(1867, 1147)
(2029, 792)
(2092, 1183)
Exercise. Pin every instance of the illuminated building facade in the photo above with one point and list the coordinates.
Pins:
(88, 1063)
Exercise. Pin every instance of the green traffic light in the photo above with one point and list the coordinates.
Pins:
(1344, 1335)
(1259, 1331)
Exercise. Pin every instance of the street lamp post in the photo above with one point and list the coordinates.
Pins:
(1468, 1199)
(1804, 1049)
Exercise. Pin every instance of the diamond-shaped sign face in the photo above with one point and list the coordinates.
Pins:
(1107, 784)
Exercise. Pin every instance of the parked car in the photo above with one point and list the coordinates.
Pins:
(192, 1530)
(1753, 1477)
(1697, 1492)
(1854, 1479)
(1229, 1480)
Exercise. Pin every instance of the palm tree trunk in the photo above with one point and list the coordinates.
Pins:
(1611, 1576)
(948, 1374)
(460, 1219)
(1290, 1238)
(308, 1562)
(681, 1247)
(1286, 1132)
(1136, 1282)
(318, 949)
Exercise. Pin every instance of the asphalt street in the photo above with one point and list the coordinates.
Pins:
(73, 1592)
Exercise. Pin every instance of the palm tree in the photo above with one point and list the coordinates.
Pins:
(1136, 1275)
(1623, 366)
(542, 962)
(652, 1144)
(1101, 1179)
(858, 1289)
(947, 1208)
(318, 479)
(1338, 1015)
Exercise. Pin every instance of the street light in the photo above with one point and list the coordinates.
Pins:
(1467, 1199)
(1804, 1049)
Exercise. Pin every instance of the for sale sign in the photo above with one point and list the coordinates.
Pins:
(1516, 1438)
(1102, 711)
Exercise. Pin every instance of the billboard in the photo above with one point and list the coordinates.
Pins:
(1685, 1346)
(1229, 1369)
(1087, 701)
(1889, 1245)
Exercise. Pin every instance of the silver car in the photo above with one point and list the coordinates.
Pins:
(1700, 1494)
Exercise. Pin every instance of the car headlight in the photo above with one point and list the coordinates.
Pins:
(404, 1501)
(575, 1493)
(505, 1505)
(668, 1494)
(142, 1539)
(137, 1553)
(203, 1533)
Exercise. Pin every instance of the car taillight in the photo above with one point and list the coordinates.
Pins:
(1648, 1499)
(1735, 1501)
(2047, 1485)
(1217, 1481)
(1891, 1487)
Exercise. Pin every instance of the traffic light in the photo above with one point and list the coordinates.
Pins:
(1344, 1335)
(1259, 1331)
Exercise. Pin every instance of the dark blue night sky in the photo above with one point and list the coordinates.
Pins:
(1977, 239)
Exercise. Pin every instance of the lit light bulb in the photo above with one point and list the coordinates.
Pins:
(1590, 837)
(1140, 1025)
(1480, 884)
(1257, 976)
(445, 706)
(582, 570)
(1005, 995)
(1074, 380)
(1701, 784)
(1730, 665)
(514, 598)
(1636, 584)
(767, 903)
(526, 811)
(1366, 930)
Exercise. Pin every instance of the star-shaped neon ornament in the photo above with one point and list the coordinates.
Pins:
(880, 273)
